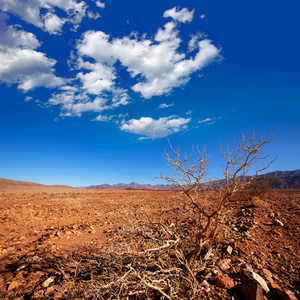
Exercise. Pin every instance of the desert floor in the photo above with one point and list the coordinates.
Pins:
(54, 242)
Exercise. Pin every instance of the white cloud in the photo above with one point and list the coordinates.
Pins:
(182, 15)
(103, 118)
(13, 37)
(193, 43)
(157, 63)
(28, 68)
(100, 78)
(74, 103)
(74, 100)
(39, 79)
(100, 4)
(209, 121)
(155, 129)
(41, 13)
(92, 15)
(92, 42)
(28, 98)
(205, 120)
(202, 16)
(21, 64)
(180, 73)
(164, 105)
(53, 23)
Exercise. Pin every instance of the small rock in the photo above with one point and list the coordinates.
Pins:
(48, 281)
(229, 250)
(284, 295)
(258, 279)
(39, 294)
(258, 266)
(290, 295)
(224, 264)
(50, 290)
(268, 275)
(13, 285)
(205, 283)
(19, 275)
(21, 268)
(276, 222)
(277, 288)
(224, 282)
(251, 291)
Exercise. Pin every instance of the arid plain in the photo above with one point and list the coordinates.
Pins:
(69, 243)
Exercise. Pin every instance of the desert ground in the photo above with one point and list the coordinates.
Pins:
(67, 243)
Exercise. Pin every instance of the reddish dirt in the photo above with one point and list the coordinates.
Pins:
(48, 234)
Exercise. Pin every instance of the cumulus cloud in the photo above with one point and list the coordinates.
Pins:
(100, 4)
(180, 73)
(41, 13)
(156, 63)
(53, 23)
(182, 15)
(74, 100)
(100, 78)
(154, 129)
(21, 64)
(13, 37)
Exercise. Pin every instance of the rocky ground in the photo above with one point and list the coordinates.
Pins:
(87, 244)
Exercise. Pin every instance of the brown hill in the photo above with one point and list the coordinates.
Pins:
(15, 184)
(286, 179)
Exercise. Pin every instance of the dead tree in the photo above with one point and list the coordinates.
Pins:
(191, 176)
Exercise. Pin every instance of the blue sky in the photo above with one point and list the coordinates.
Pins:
(91, 91)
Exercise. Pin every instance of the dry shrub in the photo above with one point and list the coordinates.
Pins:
(258, 187)
(156, 258)
(257, 202)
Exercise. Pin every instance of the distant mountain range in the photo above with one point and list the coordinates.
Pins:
(132, 186)
(286, 179)
(283, 180)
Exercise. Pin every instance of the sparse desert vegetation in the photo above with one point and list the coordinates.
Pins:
(121, 245)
